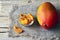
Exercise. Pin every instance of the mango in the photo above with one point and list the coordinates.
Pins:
(30, 16)
(25, 19)
(17, 29)
(23, 16)
(47, 15)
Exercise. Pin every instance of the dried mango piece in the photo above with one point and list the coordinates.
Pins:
(17, 29)
(22, 15)
(30, 16)
(23, 21)
(29, 19)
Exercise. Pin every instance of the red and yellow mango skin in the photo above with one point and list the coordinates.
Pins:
(47, 15)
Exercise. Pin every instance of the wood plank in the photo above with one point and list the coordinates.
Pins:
(5, 21)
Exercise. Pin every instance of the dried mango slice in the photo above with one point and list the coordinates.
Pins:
(30, 16)
(29, 19)
(23, 21)
(17, 29)
(22, 16)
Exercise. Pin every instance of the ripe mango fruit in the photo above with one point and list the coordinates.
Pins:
(47, 15)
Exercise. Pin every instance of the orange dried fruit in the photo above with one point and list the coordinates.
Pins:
(17, 29)
(22, 15)
(25, 19)
(30, 16)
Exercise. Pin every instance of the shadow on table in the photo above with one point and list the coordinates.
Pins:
(35, 25)
(56, 29)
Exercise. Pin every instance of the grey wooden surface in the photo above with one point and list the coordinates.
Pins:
(7, 6)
